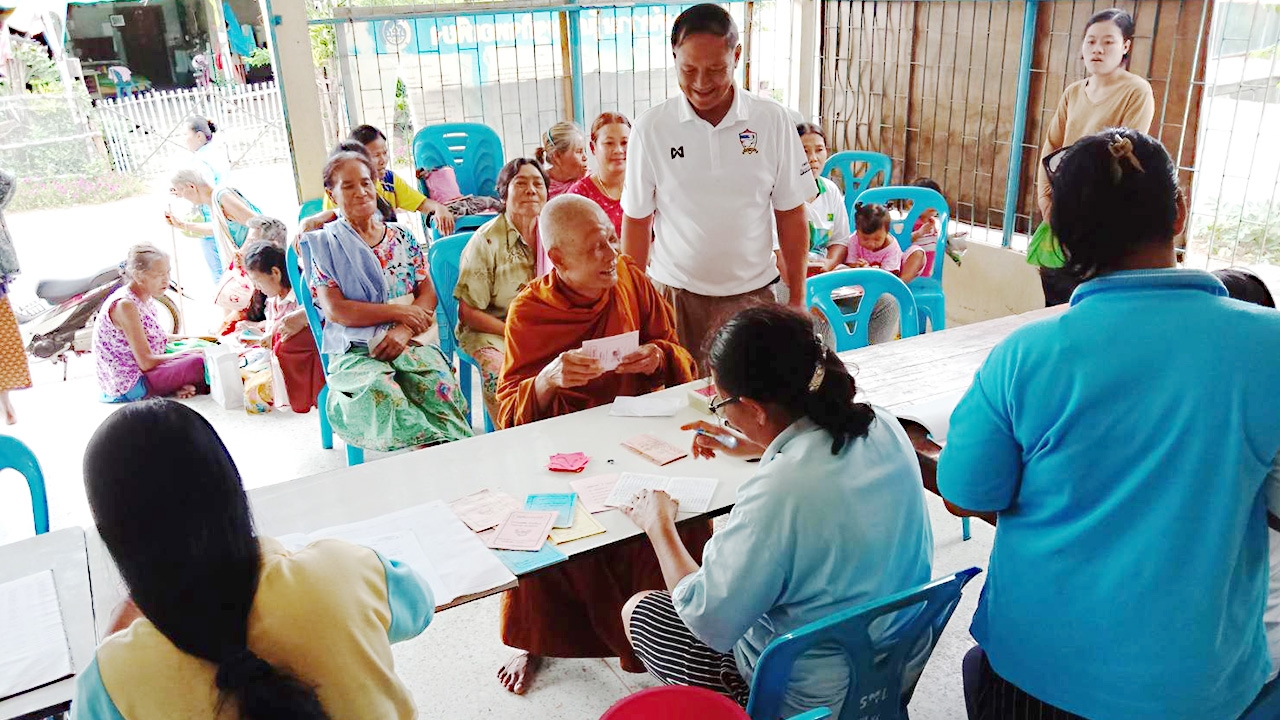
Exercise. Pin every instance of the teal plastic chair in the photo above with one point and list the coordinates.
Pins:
(878, 169)
(1267, 705)
(927, 291)
(17, 456)
(881, 686)
(302, 290)
(473, 150)
(309, 208)
(851, 328)
(444, 258)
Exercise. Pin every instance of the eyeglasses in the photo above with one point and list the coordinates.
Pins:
(718, 402)
(1053, 160)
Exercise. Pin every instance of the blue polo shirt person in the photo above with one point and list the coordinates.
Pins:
(1131, 450)
(710, 174)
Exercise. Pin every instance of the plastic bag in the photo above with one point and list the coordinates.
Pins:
(1043, 249)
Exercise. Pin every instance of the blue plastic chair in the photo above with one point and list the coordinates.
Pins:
(851, 328)
(927, 290)
(302, 290)
(444, 258)
(17, 456)
(880, 685)
(879, 170)
(473, 150)
(309, 208)
(1267, 705)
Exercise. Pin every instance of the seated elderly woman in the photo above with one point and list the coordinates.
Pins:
(129, 342)
(571, 609)
(221, 621)
(1130, 448)
(500, 259)
(835, 517)
(389, 388)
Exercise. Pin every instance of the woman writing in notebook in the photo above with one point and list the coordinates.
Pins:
(835, 517)
(222, 623)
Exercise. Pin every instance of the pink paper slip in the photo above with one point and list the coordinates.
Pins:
(484, 509)
(568, 462)
(523, 530)
(658, 452)
(593, 491)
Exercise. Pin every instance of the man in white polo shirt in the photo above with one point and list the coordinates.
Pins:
(718, 167)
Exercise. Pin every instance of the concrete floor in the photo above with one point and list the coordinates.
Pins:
(451, 668)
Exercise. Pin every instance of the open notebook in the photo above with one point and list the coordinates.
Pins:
(35, 650)
(430, 539)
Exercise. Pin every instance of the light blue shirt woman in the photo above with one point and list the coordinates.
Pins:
(834, 518)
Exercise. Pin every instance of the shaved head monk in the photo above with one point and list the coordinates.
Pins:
(573, 609)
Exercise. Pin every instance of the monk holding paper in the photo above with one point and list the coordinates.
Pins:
(573, 609)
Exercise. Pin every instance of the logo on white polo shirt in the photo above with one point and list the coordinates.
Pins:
(677, 152)
(748, 139)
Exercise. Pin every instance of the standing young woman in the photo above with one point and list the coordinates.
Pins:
(609, 135)
(1111, 97)
(220, 622)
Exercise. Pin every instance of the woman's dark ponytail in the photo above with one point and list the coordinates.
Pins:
(192, 565)
(772, 355)
(260, 691)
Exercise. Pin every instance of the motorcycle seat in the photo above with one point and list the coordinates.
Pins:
(57, 291)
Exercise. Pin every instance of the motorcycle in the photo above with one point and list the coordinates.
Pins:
(62, 325)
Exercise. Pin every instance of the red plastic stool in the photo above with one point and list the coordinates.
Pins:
(675, 702)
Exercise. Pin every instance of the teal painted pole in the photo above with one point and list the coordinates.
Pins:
(575, 72)
(1019, 119)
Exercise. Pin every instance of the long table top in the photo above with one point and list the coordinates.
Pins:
(894, 375)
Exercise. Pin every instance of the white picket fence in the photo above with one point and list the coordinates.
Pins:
(145, 133)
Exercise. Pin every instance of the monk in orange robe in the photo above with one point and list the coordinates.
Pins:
(574, 609)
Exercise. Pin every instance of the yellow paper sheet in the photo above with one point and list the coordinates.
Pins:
(583, 526)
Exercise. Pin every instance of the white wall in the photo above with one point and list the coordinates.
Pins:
(991, 282)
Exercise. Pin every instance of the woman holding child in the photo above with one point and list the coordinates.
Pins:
(1109, 97)
(389, 388)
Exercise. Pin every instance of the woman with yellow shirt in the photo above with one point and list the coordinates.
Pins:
(1111, 97)
(399, 194)
(222, 623)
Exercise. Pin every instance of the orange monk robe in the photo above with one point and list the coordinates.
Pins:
(547, 318)
(574, 609)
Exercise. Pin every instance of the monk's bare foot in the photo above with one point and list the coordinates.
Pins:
(10, 416)
(517, 675)
(186, 392)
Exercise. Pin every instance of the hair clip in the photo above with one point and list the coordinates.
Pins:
(1121, 148)
(819, 368)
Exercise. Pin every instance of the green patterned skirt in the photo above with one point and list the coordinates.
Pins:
(410, 401)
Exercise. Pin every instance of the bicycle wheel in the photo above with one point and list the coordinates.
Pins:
(172, 320)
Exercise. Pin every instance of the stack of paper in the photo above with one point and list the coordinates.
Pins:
(485, 509)
(35, 643)
(595, 491)
(693, 494)
(559, 503)
(432, 541)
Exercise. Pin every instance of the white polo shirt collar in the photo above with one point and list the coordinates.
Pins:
(737, 111)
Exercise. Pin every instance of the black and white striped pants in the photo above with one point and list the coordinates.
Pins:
(671, 652)
(991, 697)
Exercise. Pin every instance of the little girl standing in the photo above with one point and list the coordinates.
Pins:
(287, 333)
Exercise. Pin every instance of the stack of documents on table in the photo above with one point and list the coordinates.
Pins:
(693, 494)
(430, 539)
(34, 650)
